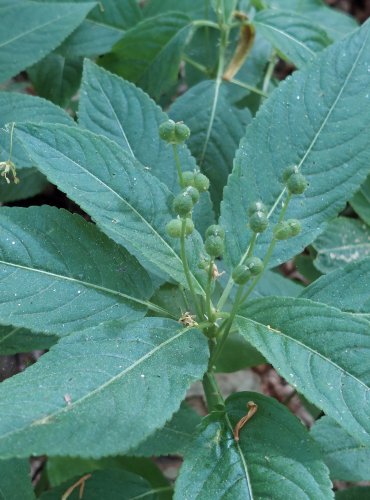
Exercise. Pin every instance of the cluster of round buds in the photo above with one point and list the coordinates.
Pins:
(174, 227)
(258, 220)
(174, 132)
(214, 244)
(252, 267)
(196, 180)
(294, 180)
(287, 229)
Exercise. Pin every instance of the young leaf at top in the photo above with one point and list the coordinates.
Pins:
(274, 458)
(347, 458)
(319, 350)
(149, 54)
(119, 110)
(31, 30)
(343, 241)
(76, 277)
(126, 201)
(216, 128)
(316, 120)
(291, 34)
(102, 391)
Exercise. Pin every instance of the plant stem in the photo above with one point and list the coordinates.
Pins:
(200, 23)
(195, 64)
(212, 391)
(209, 291)
(248, 87)
(187, 270)
(269, 73)
(178, 165)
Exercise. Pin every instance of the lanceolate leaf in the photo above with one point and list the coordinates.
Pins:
(14, 340)
(76, 277)
(275, 457)
(346, 288)
(328, 141)
(347, 458)
(102, 391)
(32, 30)
(216, 128)
(127, 202)
(291, 34)
(149, 54)
(15, 480)
(343, 241)
(320, 351)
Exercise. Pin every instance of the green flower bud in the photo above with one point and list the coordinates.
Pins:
(167, 131)
(255, 265)
(173, 228)
(241, 274)
(295, 226)
(297, 184)
(189, 227)
(214, 246)
(188, 178)
(282, 231)
(258, 222)
(183, 204)
(215, 230)
(257, 206)
(289, 171)
(194, 193)
(201, 182)
(182, 132)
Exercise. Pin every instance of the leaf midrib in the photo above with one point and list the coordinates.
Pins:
(46, 418)
(286, 35)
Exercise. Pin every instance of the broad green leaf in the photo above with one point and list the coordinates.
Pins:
(102, 391)
(275, 457)
(336, 23)
(273, 283)
(192, 8)
(76, 277)
(347, 458)
(343, 241)
(120, 484)
(346, 288)
(316, 120)
(320, 351)
(56, 78)
(355, 493)
(61, 469)
(15, 480)
(149, 54)
(292, 35)
(173, 438)
(128, 203)
(32, 30)
(216, 129)
(31, 182)
(117, 109)
(17, 107)
(14, 340)
(361, 201)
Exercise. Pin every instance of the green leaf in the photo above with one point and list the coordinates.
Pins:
(291, 34)
(347, 458)
(343, 241)
(336, 23)
(102, 391)
(15, 480)
(319, 350)
(356, 493)
(302, 123)
(216, 129)
(149, 54)
(361, 201)
(32, 30)
(346, 288)
(56, 78)
(192, 8)
(17, 107)
(126, 201)
(14, 340)
(31, 182)
(173, 438)
(120, 484)
(275, 457)
(71, 273)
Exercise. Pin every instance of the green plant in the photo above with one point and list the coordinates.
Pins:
(137, 305)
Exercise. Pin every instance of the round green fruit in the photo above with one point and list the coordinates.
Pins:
(282, 231)
(297, 184)
(215, 230)
(214, 246)
(258, 222)
(183, 204)
(255, 265)
(201, 182)
(289, 171)
(241, 274)
(194, 193)
(295, 226)
(182, 132)
(188, 178)
(167, 131)
(257, 206)
(173, 228)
